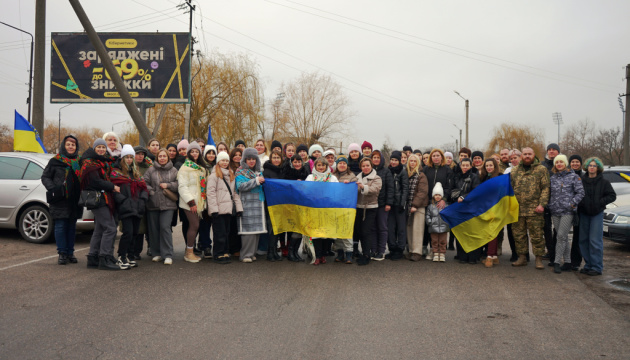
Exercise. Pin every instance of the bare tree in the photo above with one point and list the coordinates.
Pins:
(516, 136)
(6, 138)
(580, 138)
(609, 146)
(317, 109)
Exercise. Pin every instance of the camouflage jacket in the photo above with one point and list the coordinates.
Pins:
(531, 187)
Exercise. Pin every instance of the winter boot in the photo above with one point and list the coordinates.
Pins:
(296, 250)
(63, 259)
(270, 256)
(72, 259)
(92, 261)
(190, 256)
(276, 255)
(522, 261)
(556, 268)
(348, 257)
(539, 263)
(363, 260)
(339, 257)
(105, 263)
(290, 252)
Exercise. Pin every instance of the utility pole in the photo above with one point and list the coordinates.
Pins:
(626, 128)
(111, 70)
(557, 119)
(187, 113)
(40, 67)
(458, 94)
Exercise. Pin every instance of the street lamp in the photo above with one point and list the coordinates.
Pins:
(557, 119)
(59, 126)
(460, 135)
(30, 72)
(120, 122)
(458, 94)
(456, 147)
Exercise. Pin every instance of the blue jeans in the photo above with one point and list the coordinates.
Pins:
(65, 232)
(592, 241)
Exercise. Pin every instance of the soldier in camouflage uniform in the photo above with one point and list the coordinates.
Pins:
(530, 181)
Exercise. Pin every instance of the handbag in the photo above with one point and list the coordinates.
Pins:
(57, 194)
(231, 197)
(168, 193)
(91, 199)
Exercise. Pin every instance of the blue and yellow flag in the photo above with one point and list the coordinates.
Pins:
(311, 208)
(25, 138)
(485, 211)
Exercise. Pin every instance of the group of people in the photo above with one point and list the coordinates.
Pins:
(217, 189)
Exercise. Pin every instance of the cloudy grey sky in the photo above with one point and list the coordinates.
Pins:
(398, 61)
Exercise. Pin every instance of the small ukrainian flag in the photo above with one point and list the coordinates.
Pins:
(311, 208)
(25, 138)
(483, 214)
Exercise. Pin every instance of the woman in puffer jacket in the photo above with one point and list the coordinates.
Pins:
(62, 175)
(130, 202)
(162, 175)
(369, 184)
(223, 204)
(191, 180)
(566, 193)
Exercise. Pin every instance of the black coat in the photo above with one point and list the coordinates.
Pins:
(597, 194)
(271, 171)
(440, 174)
(179, 161)
(464, 184)
(59, 175)
(94, 180)
(386, 195)
(289, 173)
(126, 205)
(401, 187)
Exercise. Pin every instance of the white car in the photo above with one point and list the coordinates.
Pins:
(23, 198)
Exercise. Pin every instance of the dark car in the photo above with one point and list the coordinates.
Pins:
(617, 224)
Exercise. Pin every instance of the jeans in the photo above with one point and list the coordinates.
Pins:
(65, 232)
(397, 228)
(204, 234)
(130, 226)
(592, 241)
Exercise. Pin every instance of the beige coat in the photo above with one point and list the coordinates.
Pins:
(219, 200)
(368, 197)
(189, 187)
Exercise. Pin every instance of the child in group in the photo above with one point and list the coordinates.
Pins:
(438, 228)
(321, 173)
(130, 201)
(302, 150)
(314, 153)
(223, 204)
(344, 175)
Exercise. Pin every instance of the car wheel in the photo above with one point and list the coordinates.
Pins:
(36, 224)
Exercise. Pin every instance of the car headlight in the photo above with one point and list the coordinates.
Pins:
(622, 220)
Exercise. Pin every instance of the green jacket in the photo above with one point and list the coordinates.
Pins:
(531, 187)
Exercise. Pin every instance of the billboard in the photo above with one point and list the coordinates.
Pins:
(155, 67)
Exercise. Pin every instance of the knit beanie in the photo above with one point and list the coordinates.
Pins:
(276, 144)
(366, 145)
(407, 148)
(313, 148)
(448, 154)
(182, 144)
(353, 147)
(328, 152)
(127, 150)
(477, 153)
(98, 142)
(208, 148)
(341, 158)
(140, 149)
(395, 155)
(562, 158)
(301, 147)
(171, 146)
(223, 156)
(575, 157)
(193, 145)
(437, 189)
(418, 152)
(553, 146)
(239, 142)
(466, 151)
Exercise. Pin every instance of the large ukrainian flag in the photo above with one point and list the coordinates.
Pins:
(485, 211)
(25, 138)
(311, 208)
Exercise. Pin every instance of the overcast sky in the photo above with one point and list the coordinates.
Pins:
(398, 61)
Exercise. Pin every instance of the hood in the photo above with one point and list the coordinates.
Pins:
(167, 166)
(250, 153)
(62, 148)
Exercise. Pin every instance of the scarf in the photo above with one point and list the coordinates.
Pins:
(103, 166)
(244, 175)
(321, 177)
(202, 178)
(71, 163)
(396, 169)
(118, 177)
(354, 166)
(413, 183)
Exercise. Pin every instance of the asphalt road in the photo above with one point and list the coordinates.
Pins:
(387, 310)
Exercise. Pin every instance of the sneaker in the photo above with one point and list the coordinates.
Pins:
(436, 257)
(317, 262)
(442, 258)
(429, 255)
(121, 264)
(156, 259)
(378, 257)
(168, 261)
(132, 261)
(207, 253)
(190, 256)
(247, 260)
(593, 273)
(123, 260)
(253, 258)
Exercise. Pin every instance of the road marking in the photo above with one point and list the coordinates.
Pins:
(36, 260)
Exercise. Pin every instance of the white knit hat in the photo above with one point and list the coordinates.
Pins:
(222, 156)
(437, 189)
(127, 150)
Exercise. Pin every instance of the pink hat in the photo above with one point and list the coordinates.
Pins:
(353, 146)
(182, 144)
